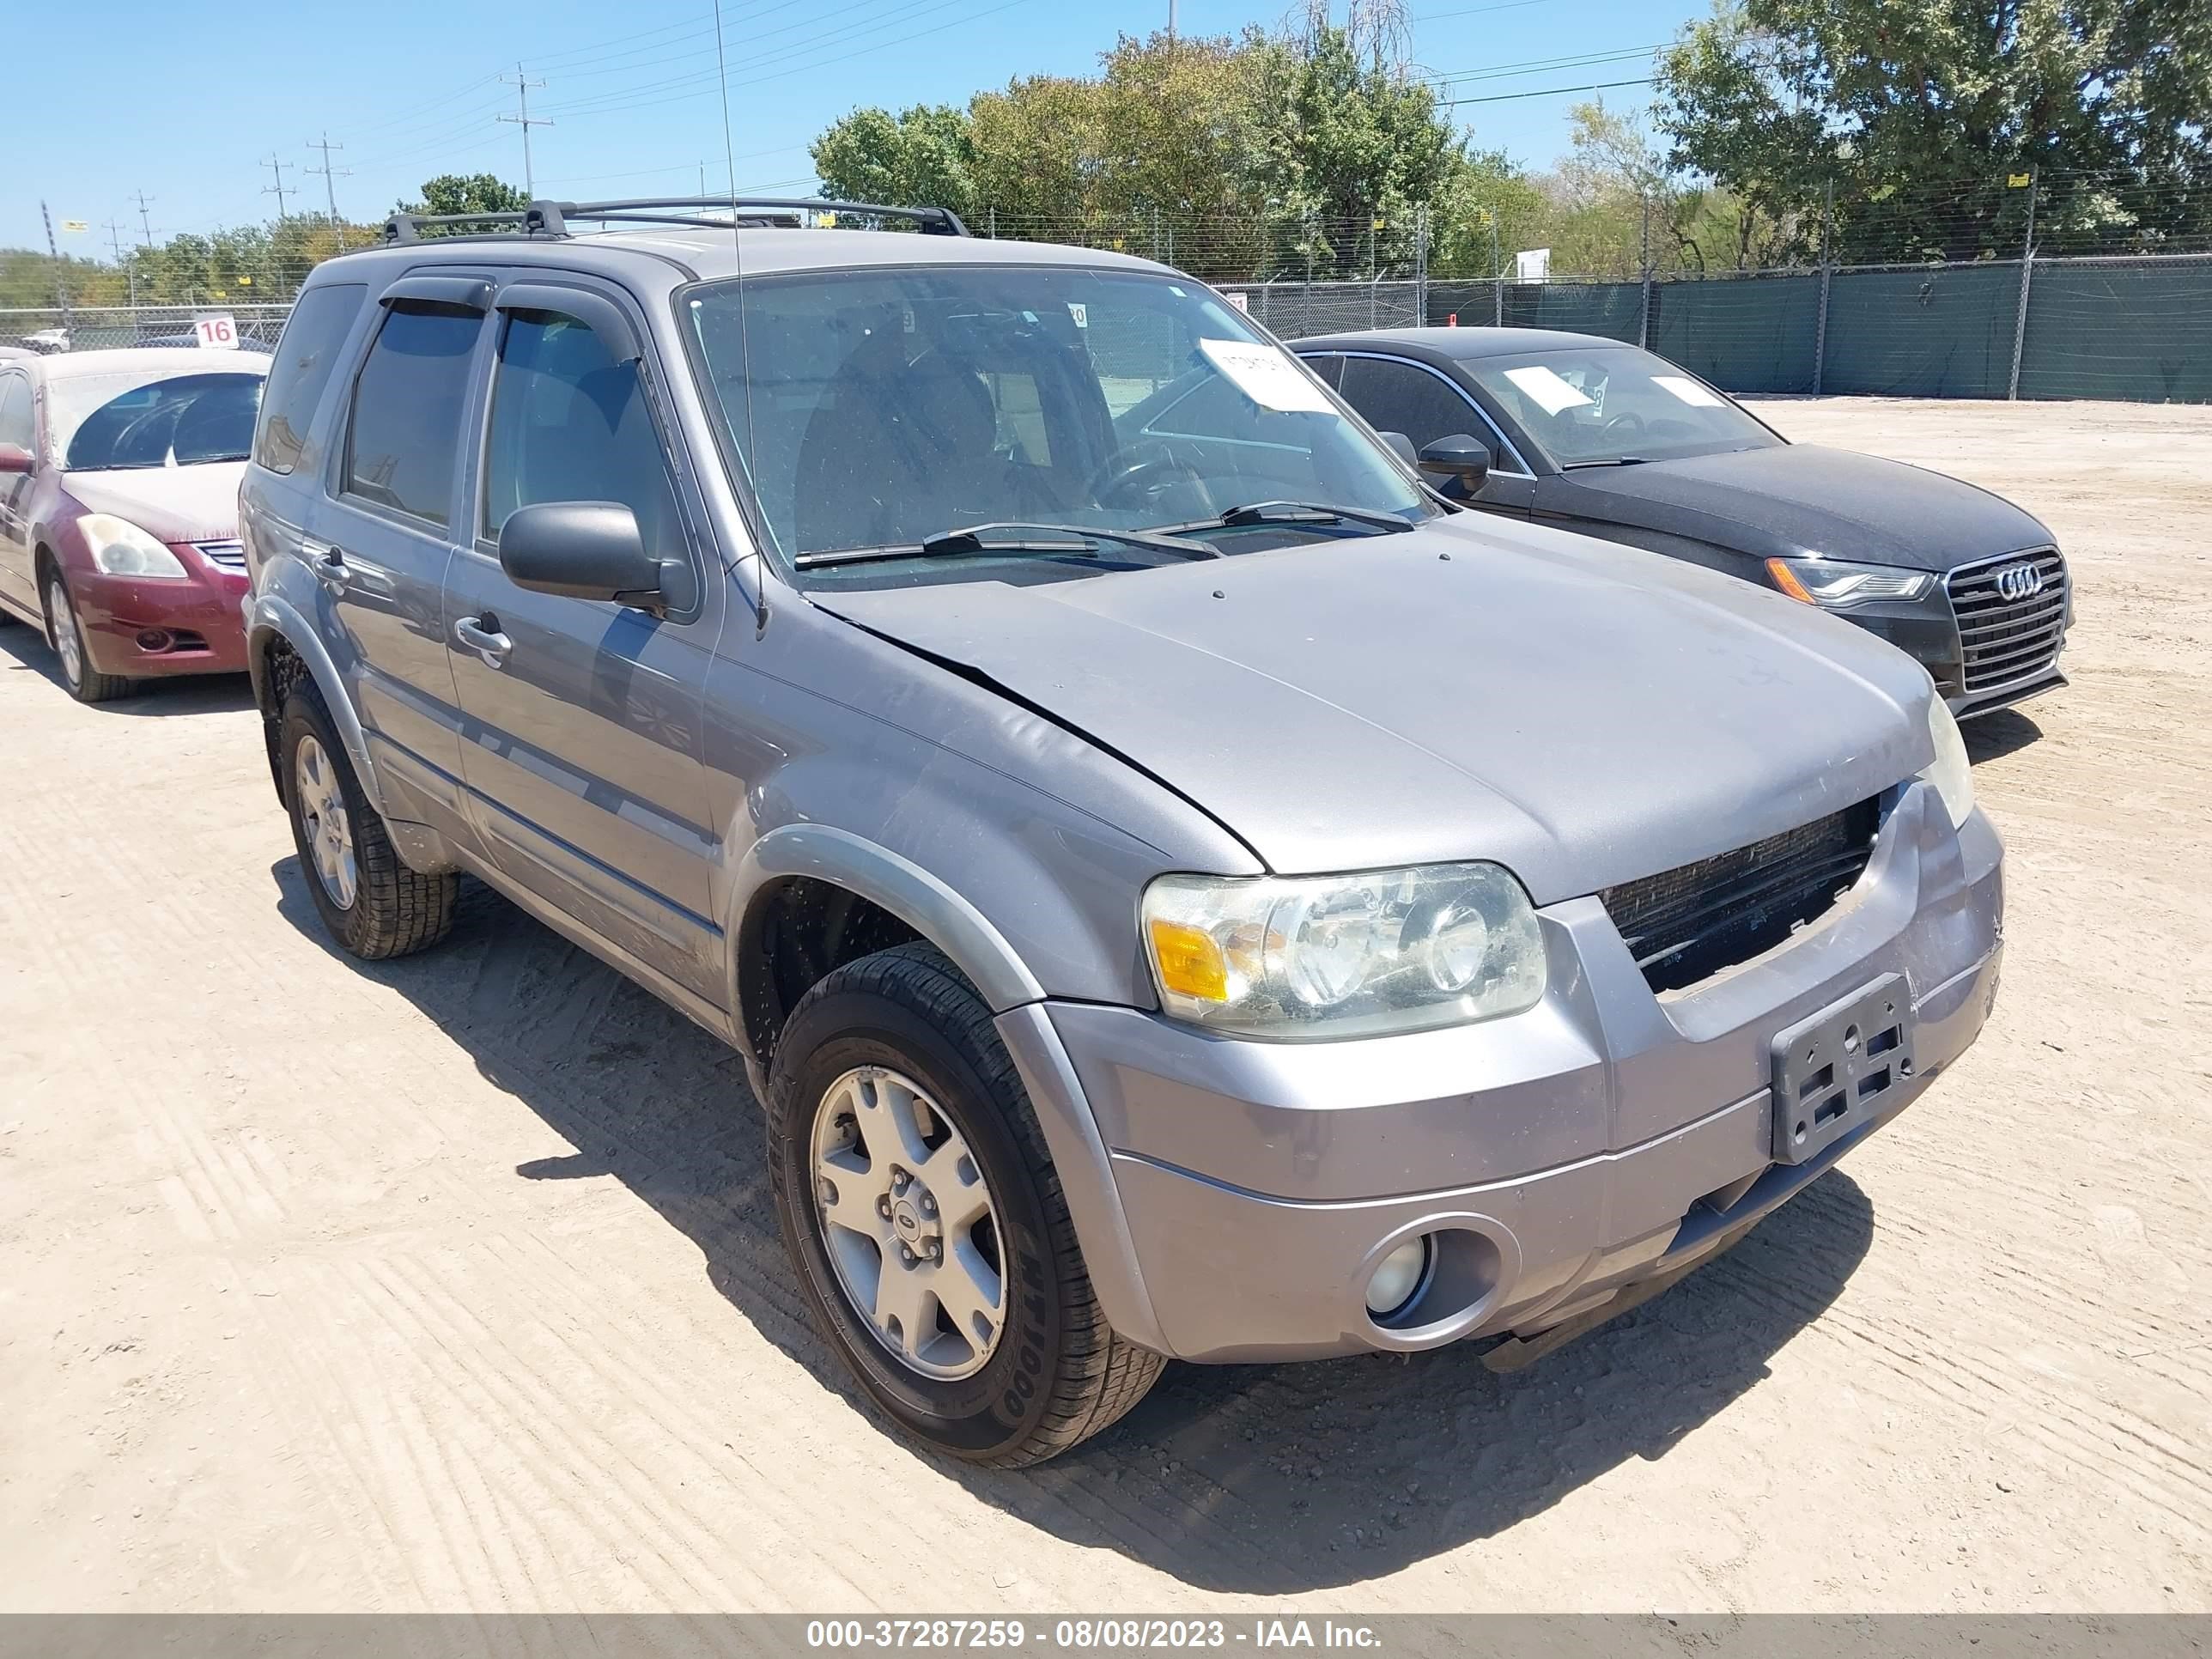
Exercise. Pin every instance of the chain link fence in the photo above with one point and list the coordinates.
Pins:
(2133, 329)
(92, 328)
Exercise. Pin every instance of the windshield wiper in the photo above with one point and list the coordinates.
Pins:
(1066, 540)
(1267, 512)
(1617, 460)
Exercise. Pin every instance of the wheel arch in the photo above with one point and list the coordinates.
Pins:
(278, 636)
(813, 861)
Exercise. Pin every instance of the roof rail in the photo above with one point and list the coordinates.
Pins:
(655, 209)
(550, 218)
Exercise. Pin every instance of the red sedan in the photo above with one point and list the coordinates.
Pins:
(119, 510)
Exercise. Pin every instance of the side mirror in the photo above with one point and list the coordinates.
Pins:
(1401, 446)
(582, 551)
(1463, 461)
(15, 459)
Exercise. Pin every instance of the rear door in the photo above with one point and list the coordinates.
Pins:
(582, 722)
(1397, 394)
(380, 543)
(19, 428)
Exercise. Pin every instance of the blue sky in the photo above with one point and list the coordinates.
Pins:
(191, 112)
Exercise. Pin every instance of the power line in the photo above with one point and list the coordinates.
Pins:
(526, 120)
(1540, 65)
(1546, 92)
(330, 175)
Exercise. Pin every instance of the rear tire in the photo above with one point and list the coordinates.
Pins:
(66, 635)
(372, 904)
(1044, 1370)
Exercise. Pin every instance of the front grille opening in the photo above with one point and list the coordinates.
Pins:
(1686, 925)
(2005, 642)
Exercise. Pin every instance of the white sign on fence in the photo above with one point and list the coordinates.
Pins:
(1237, 297)
(218, 332)
(1533, 265)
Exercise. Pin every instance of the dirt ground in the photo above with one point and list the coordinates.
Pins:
(454, 1283)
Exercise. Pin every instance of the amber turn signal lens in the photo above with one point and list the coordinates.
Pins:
(1786, 580)
(1190, 963)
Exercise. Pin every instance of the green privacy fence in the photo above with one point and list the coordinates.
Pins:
(2138, 329)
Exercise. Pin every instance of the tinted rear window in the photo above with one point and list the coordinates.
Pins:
(407, 411)
(306, 355)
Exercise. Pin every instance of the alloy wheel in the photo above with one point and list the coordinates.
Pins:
(329, 831)
(909, 1223)
(60, 623)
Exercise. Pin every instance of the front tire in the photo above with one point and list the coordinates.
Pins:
(372, 904)
(931, 1237)
(66, 634)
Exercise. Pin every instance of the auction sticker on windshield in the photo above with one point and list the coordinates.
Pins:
(1269, 377)
(1545, 385)
(1687, 390)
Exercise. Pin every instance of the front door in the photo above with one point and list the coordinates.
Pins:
(582, 718)
(1396, 394)
(380, 545)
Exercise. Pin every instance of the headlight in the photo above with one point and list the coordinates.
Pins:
(1344, 956)
(122, 549)
(1833, 584)
(1952, 774)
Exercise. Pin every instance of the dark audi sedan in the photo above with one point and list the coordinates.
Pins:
(1592, 436)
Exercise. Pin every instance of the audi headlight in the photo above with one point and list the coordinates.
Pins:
(1952, 773)
(1326, 957)
(1836, 584)
(122, 549)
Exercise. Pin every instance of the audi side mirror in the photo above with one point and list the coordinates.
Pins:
(1463, 463)
(582, 551)
(1401, 446)
(15, 460)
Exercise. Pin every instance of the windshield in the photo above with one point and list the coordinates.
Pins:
(1610, 403)
(889, 406)
(135, 418)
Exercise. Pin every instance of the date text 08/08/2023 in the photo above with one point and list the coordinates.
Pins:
(1093, 1634)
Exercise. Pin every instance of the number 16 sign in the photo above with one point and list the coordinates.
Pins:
(219, 332)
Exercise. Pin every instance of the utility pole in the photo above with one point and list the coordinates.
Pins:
(61, 270)
(526, 120)
(280, 190)
(331, 174)
(145, 224)
(114, 230)
(1827, 271)
(1172, 20)
(1643, 270)
(2027, 274)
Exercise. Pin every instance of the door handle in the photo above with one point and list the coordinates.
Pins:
(481, 635)
(331, 569)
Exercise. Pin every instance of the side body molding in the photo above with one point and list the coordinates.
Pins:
(900, 886)
(267, 613)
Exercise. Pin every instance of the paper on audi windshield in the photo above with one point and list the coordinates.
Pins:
(1267, 376)
(1687, 390)
(1546, 389)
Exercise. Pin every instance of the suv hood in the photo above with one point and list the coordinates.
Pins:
(1801, 498)
(195, 503)
(1579, 712)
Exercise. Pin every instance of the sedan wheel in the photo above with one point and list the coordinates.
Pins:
(909, 1223)
(62, 622)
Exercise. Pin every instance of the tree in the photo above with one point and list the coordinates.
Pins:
(921, 158)
(477, 193)
(1921, 112)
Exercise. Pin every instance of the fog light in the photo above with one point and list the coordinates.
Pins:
(154, 639)
(1399, 1277)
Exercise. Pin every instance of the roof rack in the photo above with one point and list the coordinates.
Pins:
(550, 218)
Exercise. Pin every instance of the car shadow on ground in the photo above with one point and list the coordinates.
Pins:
(23, 650)
(1256, 1479)
(1994, 736)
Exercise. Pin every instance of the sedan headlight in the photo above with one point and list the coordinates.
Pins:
(1344, 956)
(1952, 773)
(1835, 584)
(121, 549)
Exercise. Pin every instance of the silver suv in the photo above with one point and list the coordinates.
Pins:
(1181, 887)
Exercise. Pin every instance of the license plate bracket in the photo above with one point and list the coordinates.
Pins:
(1839, 1069)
